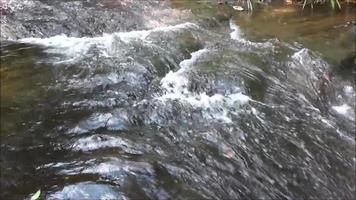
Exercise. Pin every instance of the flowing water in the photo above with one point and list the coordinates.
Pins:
(174, 100)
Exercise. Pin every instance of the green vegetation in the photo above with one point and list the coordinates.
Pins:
(249, 4)
(333, 3)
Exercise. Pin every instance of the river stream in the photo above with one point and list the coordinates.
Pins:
(105, 99)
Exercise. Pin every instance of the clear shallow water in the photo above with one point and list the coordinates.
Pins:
(185, 107)
(330, 33)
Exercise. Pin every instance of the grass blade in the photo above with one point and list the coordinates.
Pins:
(332, 4)
(36, 195)
(305, 2)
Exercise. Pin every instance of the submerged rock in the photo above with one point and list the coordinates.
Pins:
(348, 63)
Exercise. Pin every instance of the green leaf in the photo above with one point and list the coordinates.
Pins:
(36, 195)
(305, 2)
(338, 4)
(332, 4)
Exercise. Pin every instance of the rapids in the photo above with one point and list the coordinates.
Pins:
(143, 100)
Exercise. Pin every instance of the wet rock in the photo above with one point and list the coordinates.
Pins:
(188, 43)
(348, 63)
(36, 18)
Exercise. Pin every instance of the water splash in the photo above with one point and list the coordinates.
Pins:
(175, 87)
(88, 190)
(237, 35)
(78, 47)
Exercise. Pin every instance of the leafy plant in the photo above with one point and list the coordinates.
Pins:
(333, 2)
(312, 2)
(249, 5)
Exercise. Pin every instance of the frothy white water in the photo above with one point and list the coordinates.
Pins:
(175, 86)
(88, 190)
(68, 45)
(345, 110)
(349, 91)
(237, 35)
(77, 47)
(176, 83)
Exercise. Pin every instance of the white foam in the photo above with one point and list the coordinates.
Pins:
(76, 47)
(343, 109)
(349, 91)
(299, 55)
(175, 86)
(175, 83)
(71, 46)
(237, 35)
(88, 190)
